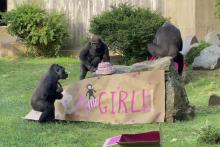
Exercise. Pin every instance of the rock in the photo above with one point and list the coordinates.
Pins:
(10, 49)
(161, 63)
(214, 100)
(213, 38)
(118, 70)
(177, 103)
(121, 69)
(188, 43)
(189, 49)
(9, 46)
(209, 58)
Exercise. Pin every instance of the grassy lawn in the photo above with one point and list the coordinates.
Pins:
(19, 77)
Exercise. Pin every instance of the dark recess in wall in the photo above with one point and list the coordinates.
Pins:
(3, 8)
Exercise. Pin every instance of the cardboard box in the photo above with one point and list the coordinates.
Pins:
(147, 139)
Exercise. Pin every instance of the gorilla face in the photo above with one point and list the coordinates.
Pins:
(60, 71)
(95, 43)
(95, 48)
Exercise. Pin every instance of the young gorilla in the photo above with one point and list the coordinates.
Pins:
(168, 42)
(48, 90)
(95, 52)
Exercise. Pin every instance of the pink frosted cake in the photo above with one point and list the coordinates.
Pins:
(105, 68)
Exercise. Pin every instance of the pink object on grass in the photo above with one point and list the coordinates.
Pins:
(152, 136)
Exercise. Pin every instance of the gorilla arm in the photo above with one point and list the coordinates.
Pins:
(53, 92)
(106, 57)
(59, 88)
(83, 58)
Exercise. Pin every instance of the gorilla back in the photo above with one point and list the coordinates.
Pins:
(168, 42)
(48, 90)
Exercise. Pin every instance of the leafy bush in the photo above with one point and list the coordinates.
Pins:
(127, 30)
(43, 33)
(194, 52)
(209, 135)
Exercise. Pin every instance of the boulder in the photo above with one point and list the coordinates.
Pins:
(214, 100)
(161, 63)
(9, 46)
(209, 58)
(213, 38)
(121, 69)
(188, 43)
(184, 53)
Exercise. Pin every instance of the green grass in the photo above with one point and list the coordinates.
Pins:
(19, 77)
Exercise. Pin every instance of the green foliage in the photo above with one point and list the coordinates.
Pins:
(217, 8)
(127, 30)
(43, 32)
(194, 52)
(209, 135)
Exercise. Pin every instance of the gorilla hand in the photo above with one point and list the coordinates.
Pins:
(96, 61)
(92, 69)
(59, 90)
(59, 96)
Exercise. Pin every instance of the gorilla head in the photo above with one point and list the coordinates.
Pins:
(96, 43)
(96, 51)
(59, 71)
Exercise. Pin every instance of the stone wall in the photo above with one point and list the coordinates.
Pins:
(182, 14)
(205, 18)
(193, 17)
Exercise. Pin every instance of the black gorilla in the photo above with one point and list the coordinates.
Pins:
(95, 52)
(48, 90)
(168, 42)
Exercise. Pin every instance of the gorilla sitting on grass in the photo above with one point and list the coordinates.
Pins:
(48, 90)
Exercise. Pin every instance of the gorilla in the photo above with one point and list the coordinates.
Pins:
(96, 51)
(168, 42)
(48, 90)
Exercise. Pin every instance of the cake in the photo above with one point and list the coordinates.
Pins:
(105, 68)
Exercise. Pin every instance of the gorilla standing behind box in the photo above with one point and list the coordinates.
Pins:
(168, 42)
(48, 90)
(95, 52)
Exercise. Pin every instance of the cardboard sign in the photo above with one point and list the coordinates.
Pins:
(128, 98)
